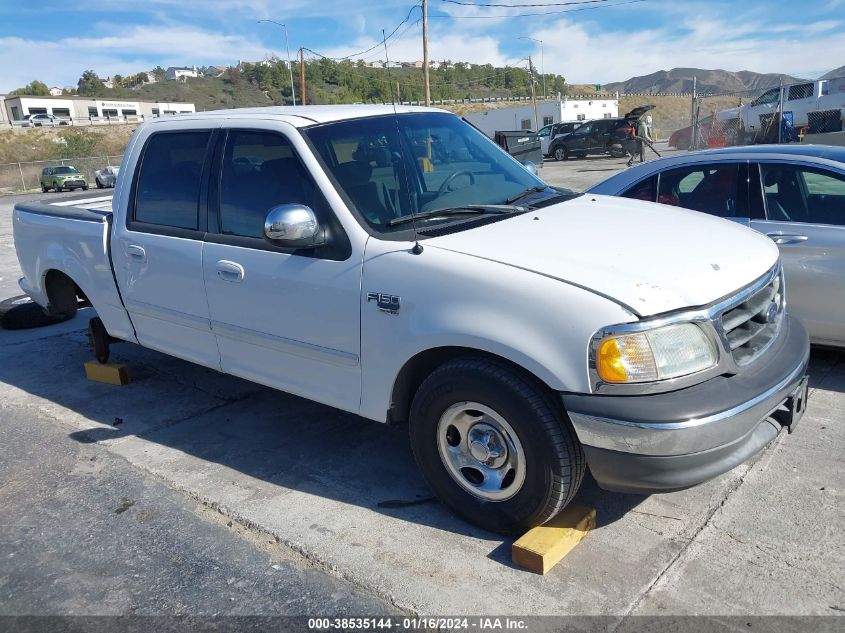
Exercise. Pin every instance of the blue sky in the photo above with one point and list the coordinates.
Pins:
(56, 41)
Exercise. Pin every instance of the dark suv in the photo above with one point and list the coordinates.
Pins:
(601, 136)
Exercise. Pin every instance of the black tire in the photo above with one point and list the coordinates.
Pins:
(56, 187)
(99, 184)
(553, 465)
(560, 153)
(22, 313)
(44, 189)
(84, 187)
(98, 340)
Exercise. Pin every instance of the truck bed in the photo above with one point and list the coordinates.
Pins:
(75, 241)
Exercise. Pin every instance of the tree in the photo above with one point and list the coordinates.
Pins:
(117, 81)
(158, 73)
(35, 88)
(91, 85)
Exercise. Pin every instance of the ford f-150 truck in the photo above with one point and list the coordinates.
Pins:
(398, 265)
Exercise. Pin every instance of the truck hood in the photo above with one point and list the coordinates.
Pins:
(649, 257)
(727, 115)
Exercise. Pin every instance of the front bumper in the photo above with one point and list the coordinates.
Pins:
(670, 441)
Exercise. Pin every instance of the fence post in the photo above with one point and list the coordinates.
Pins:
(23, 182)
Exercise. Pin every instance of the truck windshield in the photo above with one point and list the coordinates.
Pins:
(390, 167)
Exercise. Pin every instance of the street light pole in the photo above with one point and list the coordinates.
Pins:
(542, 65)
(287, 49)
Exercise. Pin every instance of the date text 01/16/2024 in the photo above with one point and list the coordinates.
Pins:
(420, 623)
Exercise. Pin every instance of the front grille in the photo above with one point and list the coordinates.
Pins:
(749, 327)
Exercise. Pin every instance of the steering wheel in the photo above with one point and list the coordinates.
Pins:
(452, 176)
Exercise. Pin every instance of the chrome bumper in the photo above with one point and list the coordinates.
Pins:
(691, 434)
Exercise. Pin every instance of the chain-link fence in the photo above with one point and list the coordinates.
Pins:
(21, 177)
(783, 113)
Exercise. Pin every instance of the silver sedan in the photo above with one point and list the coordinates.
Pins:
(795, 194)
(106, 177)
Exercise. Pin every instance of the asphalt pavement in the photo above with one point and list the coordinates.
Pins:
(342, 500)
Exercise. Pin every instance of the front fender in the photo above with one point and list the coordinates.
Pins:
(448, 299)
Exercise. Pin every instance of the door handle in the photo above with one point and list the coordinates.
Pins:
(230, 271)
(138, 252)
(787, 238)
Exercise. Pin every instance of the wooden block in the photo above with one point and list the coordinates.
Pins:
(543, 547)
(109, 373)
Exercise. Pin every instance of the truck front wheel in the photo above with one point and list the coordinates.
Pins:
(493, 446)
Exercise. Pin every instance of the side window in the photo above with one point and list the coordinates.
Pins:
(546, 131)
(168, 188)
(770, 96)
(713, 189)
(643, 190)
(801, 91)
(803, 194)
(261, 171)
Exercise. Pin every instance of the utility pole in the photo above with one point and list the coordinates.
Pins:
(692, 116)
(533, 94)
(542, 61)
(780, 112)
(398, 96)
(302, 76)
(425, 52)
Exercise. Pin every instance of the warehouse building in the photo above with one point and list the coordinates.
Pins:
(15, 108)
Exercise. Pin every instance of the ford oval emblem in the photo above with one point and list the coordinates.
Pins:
(771, 312)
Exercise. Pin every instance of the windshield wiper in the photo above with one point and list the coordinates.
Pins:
(527, 192)
(469, 209)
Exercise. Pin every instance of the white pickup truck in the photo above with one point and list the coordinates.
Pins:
(400, 266)
(818, 104)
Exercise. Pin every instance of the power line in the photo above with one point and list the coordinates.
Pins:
(520, 15)
(375, 46)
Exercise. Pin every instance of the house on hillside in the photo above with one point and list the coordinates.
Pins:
(180, 73)
(55, 91)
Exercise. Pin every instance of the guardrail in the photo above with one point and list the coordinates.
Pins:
(26, 176)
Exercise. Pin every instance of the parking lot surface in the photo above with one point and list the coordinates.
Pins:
(343, 494)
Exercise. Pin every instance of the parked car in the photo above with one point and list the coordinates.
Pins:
(58, 178)
(601, 136)
(550, 132)
(795, 194)
(106, 177)
(682, 139)
(522, 332)
(42, 120)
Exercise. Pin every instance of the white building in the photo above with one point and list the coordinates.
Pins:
(522, 117)
(55, 91)
(174, 73)
(17, 107)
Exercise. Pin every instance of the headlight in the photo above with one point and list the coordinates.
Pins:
(659, 354)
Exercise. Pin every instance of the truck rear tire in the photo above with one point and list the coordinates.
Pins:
(560, 153)
(22, 313)
(493, 446)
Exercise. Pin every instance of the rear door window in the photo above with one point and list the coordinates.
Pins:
(168, 187)
(795, 193)
(713, 189)
(643, 190)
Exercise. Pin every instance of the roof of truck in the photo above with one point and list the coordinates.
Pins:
(301, 116)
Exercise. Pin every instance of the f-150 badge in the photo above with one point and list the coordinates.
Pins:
(386, 303)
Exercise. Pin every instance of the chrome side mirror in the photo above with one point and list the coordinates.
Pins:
(530, 166)
(293, 226)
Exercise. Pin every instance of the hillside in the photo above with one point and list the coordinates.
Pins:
(329, 81)
(709, 81)
(837, 72)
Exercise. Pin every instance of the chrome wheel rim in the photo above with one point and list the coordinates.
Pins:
(481, 451)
